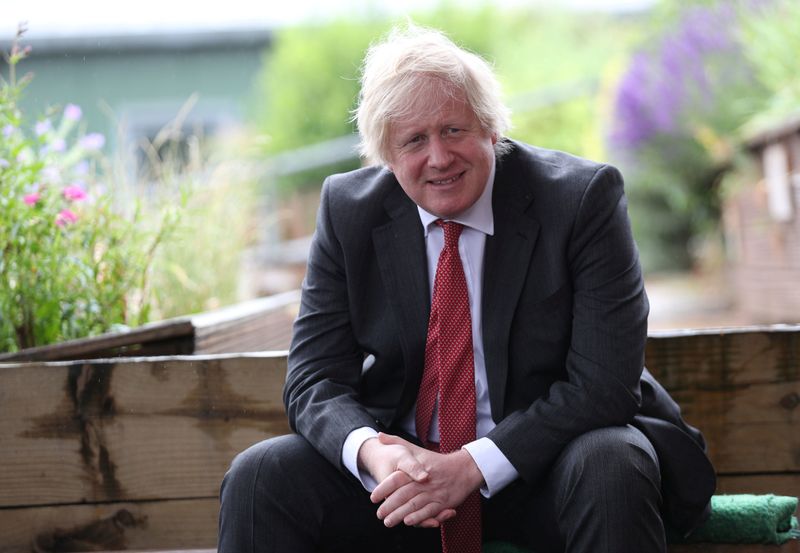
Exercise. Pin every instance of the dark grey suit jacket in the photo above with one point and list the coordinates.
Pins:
(564, 320)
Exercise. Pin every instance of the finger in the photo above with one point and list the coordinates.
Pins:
(414, 511)
(389, 485)
(436, 522)
(431, 511)
(400, 499)
(429, 523)
(445, 515)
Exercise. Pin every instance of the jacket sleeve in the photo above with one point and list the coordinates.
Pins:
(325, 361)
(607, 336)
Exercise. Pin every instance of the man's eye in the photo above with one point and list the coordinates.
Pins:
(415, 139)
(453, 130)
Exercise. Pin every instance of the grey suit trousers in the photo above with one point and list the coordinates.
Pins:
(602, 495)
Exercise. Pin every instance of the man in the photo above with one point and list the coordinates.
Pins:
(467, 364)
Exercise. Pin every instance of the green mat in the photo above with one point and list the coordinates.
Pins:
(748, 519)
(741, 518)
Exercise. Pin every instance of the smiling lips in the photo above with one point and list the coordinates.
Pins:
(447, 180)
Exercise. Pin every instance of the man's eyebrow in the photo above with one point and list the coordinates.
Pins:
(410, 132)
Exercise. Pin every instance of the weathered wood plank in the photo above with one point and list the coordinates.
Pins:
(256, 325)
(94, 431)
(166, 429)
(172, 337)
(742, 423)
(717, 359)
(778, 484)
(741, 387)
(174, 524)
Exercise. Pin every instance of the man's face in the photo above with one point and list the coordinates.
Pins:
(441, 156)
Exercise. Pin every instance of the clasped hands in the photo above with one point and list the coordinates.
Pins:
(418, 487)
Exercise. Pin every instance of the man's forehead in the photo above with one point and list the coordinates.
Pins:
(425, 108)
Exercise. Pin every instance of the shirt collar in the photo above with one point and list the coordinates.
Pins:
(479, 216)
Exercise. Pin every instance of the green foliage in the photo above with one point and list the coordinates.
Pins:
(80, 257)
(678, 106)
(771, 43)
(71, 265)
(550, 64)
(308, 86)
(309, 83)
(199, 267)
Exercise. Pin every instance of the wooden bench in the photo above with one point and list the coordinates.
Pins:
(129, 453)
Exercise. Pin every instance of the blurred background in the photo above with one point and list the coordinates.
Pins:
(220, 121)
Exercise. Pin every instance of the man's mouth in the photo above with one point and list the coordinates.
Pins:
(448, 180)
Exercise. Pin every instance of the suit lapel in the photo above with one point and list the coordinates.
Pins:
(506, 265)
(400, 251)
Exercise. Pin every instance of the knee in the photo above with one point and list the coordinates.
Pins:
(260, 467)
(618, 458)
(608, 492)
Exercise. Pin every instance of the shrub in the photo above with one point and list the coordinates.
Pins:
(677, 106)
(72, 265)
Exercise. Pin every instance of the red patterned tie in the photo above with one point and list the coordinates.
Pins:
(450, 374)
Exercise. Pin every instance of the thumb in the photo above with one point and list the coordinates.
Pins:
(390, 439)
(412, 467)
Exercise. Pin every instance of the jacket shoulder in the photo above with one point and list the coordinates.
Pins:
(360, 187)
(547, 167)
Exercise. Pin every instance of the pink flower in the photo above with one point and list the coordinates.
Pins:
(31, 198)
(72, 112)
(74, 192)
(65, 216)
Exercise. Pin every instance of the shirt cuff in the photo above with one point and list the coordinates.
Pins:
(497, 470)
(352, 444)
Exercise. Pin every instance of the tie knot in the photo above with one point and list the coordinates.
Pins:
(452, 231)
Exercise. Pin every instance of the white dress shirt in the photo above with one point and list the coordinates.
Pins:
(478, 222)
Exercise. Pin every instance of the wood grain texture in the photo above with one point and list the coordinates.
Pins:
(134, 429)
(174, 524)
(171, 337)
(257, 325)
(723, 358)
(131, 452)
(741, 388)
(778, 484)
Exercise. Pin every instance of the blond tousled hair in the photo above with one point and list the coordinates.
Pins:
(415, 64)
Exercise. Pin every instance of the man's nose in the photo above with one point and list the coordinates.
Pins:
(439, 154)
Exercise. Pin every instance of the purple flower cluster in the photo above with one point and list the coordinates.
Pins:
(672, 81)
(93, 141)
(72, 112)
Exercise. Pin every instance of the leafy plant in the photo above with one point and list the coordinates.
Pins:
(72, 265)
(771, 44)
